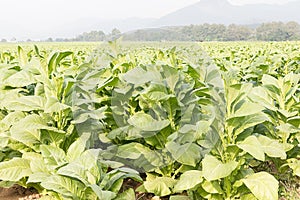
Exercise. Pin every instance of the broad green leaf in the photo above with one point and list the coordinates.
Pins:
(38, 177)
(160, 186)
(248, 197)
(252, 146)
(213, 169)
(212, 187)
(187, 154)
(171, 75)
(27, 130)
(145, 122)
(55, 60)
(53, 105)
(54, 138)
(7, 184)
(294, 164)
(10, 120)
(272, 147)
(85, 168)
(131, 150)
(269, 80)
(126, 195)
(78, 147)
(157, 96)
(3, 144)
(15, 169)
(102, 194)
(285, 130)
(188, 180)
(115, 178)
(295, 121)
(239, 124)
(150, 160)
(263, 185)
(246, 109)
(236, 94)
(7, 96)
(26, 103)
(260, 95)
(66, 186)
(78, 171)
(20, 79)
(138, 76)
(37, 163)
(54, 156)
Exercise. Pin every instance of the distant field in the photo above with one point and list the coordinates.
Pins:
(179, 121)
(51, 45)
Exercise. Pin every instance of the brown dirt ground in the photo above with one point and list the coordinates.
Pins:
(17, 192)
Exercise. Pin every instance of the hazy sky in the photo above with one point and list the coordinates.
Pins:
(27, 17)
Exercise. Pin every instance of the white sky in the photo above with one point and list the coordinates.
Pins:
(30, 15)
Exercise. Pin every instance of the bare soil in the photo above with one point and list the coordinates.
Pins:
(17, 192)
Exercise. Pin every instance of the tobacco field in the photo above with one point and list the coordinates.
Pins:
(124, 121)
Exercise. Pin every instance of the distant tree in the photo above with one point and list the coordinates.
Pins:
(277, 31)
(115, 34)
(274, 31)
(13, 39)
(3, 40)
(49, 39)
(292, 30)
(92, 36)
(238, 33)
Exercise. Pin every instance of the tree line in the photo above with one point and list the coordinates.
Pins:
(272, 31)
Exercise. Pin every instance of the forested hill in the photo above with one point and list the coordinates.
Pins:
(223, 12)
(273, 31)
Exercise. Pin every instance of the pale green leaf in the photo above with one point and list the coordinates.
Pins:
(145, 122)
(102, 194)
(252, 146)
(53, 156)
(38, 177)
(214, 169)
(188, 180)
(187, 154)
(126, 195)
(53, 105)
(160, 186)
(26, 103)
(247, 108)
(212, 187)
(294, 164)
(85, 168)
(20, 79)
(15, 169)
(263, 185)
(78, 147)
(272, 147)
(139, 76)
(66, 186)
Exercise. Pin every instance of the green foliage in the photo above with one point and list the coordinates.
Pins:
(70, 122)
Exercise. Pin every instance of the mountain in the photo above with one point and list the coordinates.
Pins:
(204, 11)
(223, 12)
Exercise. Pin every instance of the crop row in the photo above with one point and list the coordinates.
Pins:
(217, 122)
